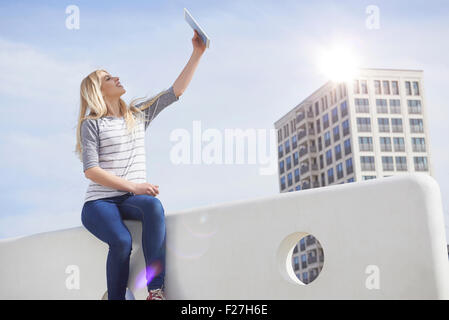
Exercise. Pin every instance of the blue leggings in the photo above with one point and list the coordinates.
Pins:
(104, 219)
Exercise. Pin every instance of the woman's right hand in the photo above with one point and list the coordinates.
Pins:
(145, 188)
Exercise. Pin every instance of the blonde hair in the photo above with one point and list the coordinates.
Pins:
(92, 97)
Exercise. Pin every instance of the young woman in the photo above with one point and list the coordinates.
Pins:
(110, 143)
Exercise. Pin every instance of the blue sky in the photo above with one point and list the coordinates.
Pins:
(260, 65)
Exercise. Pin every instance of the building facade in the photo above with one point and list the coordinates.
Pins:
(372, 127)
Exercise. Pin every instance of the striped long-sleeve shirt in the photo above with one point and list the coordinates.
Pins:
(106, 143)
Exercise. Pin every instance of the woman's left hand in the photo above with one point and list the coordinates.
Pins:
(198, 44)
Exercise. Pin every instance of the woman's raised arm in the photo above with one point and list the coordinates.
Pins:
(184, 78)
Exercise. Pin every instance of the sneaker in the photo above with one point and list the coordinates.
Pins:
(156, 294)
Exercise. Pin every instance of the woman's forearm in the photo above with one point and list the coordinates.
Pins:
(184, 78)
(105, 178)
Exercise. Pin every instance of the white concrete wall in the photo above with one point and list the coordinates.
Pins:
(242, 249)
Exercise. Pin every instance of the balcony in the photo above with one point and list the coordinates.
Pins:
(419, 147)
(303, 150)
(311, 131)
(302, 134)
(300, 117)
(222, 243)
(363, 128)
(366, 147)
(304, 170)
(368, 167)
(399, 147)
(416, 129)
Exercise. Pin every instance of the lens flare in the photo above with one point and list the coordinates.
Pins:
(147, 275)
(338, 64)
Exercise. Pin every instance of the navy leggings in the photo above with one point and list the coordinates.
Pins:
(104, 219)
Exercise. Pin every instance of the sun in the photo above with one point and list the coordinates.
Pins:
(338, 64)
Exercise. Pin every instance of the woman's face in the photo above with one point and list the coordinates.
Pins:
(110, 86)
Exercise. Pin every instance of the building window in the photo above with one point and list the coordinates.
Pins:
(347, 145)
(325, 121)
(344, 109)
(345, 126)
(279, 135)
(290, 179)
(401, 163)
(329, 157)
(364, 86)
(384, 124)
(415, 88)
(289, 162)
(408, 88)
(317, 108)
(318, 127)
(282, 183)
(367, 163)
(361, 105)
(287, 146)
(377, 89)
(327, 139)
(420, 163)
(281, 167)
(320, 144)
(334, 115)
(382, 106)
(280, 152)
(295, 158)
(339, 170)
(418, 145)
(395, 87)
(323, 179)
(416, 126)
(387, 163)
(349, 167)
(396, 125)
(336, 132)
(399, 145)
(330, 175)
(297, 177)
(337, 152)
(414, 106)
(365, 143)
(385, 144)
(368, 177)
(298, 187)
(294, 141)
(386, 87)
(321, 162)
(363, 124)
(395, 106)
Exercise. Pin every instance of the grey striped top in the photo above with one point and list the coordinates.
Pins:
(106, 143)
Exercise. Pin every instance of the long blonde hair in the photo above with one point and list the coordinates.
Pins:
(91, 96)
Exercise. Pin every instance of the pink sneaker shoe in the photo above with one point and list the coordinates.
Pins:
(156, 294)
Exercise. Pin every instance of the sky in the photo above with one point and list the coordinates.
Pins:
(261, 63)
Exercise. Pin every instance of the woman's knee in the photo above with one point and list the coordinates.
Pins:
(153, 206)
(122, 245)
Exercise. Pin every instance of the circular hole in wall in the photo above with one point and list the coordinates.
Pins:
(300, 258)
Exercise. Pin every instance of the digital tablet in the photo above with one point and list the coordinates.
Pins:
(192, 22)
